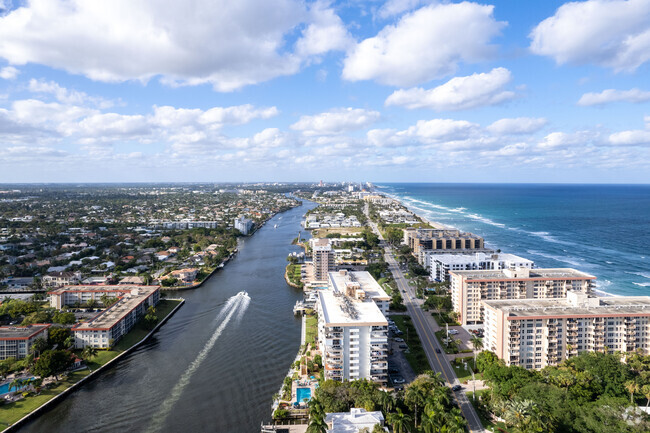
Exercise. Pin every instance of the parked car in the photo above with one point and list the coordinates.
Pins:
(399, 340)
(456, 388)
(403, 346)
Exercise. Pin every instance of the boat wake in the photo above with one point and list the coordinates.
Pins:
(234, 309)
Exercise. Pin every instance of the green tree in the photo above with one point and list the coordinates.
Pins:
(477, 344)
(58, 335)
(52, 363)
(399, 421)
(38, 346)
(150, 319)
(631, 386)
(88, 353)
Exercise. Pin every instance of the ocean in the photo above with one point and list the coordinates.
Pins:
(603, 230)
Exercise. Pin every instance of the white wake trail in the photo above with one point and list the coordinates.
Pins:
(235, 305)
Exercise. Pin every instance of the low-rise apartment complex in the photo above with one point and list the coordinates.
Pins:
(534, 333)
(16, 341)
(109, 326)
(353, 336)
(469, 288)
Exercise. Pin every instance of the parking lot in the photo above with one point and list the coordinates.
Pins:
(399, 370)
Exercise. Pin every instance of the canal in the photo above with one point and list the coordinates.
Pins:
(215, 365)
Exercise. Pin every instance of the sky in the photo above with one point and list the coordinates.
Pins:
(290, 90)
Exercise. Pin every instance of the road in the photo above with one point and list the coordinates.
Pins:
(438, 361)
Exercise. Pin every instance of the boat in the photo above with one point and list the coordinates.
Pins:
(275, 226)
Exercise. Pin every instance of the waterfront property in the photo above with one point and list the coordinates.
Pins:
(534, 333)
(352, 333)
(107, 327)
(420, 240)
(83, 294)
(353, 421)
(440, 264)
(244, 225)
(322, 259)
(16, 341)
(469, 288)
(345, 281)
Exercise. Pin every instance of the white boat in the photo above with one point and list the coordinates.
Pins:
(275, 226)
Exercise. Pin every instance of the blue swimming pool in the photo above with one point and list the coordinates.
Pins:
(302, 394)
(4, 388)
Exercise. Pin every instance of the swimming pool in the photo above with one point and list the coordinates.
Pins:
(302, 394)
(4, 388)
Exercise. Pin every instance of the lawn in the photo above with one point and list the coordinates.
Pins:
(416, 358)
(440, 335)
(11, 413)
(294, 272)
(465, 374)
(311, 328)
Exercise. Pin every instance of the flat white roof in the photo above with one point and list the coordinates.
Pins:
(608, 305)
(462, 259)
(341, 310)
(366, 282)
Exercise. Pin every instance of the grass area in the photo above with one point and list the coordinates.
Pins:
(12, 412)
(321, 233)
(416, 356)
(465, 374)
(448, 349)
(294, 272)
(443, 319)
(311, 328)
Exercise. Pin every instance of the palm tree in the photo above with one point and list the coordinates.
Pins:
(631, 387)
(399, 420)
(477, 343)
(645, 390)
(16, 384)
(387, 402)
(455, 422)
(518, 412)
(317, 422)
(415, 396)
(88, 353)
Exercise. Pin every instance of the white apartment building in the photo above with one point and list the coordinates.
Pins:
(534, 333)
(244, 225)
(353, 337)
(70, 295)
(354, 421)
(16, 341)
(439, 265)
(469, 288)
(322, 259)
(109, 326)
(351, 282)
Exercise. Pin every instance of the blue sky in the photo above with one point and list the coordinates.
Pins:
(289, 90)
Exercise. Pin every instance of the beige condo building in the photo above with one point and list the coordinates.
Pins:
(469, 288)
(534, 333)
(420, 240)
(322, 259)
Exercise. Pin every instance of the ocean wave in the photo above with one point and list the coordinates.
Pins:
(640, 274)
(573, 261)
(647, 284)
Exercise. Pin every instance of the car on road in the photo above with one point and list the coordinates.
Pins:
(437, 350)
(398, 379)
(456, 388)
(399, 340)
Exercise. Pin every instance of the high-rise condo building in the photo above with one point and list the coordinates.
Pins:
(469, 288)
(534, 333)
(440, 264)
(322, 259)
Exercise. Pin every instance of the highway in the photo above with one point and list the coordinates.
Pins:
(426, 332)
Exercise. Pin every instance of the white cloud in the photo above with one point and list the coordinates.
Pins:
(66, 96)
(216, 117)
(567, 140)
(519, 125)
(630, 138)
(325, 33)
(611, 95)
(459, 93)
(9, 73)
(424, 45)
(610, 33)
(336, 121)
(224, 43)
(442, 129)
(396, 7)
(112, 125)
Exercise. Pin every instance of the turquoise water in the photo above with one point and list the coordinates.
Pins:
(600, 229)
(4, 388)
(302, 394)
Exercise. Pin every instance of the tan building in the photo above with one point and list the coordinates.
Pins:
(322, 259)
(534, 333)
(184, 275)
(469, 288)
(59, 279)
(420, 240)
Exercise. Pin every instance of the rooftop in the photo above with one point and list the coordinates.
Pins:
(525, 274)
(21, 332)
(340, 310)
(367, 283)
(580, 307)
(452, 259)
(112, 315)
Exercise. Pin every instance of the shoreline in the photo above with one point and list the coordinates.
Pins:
(92, 375)
(598, 291)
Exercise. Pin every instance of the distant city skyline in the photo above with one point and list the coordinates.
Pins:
(289, 90)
